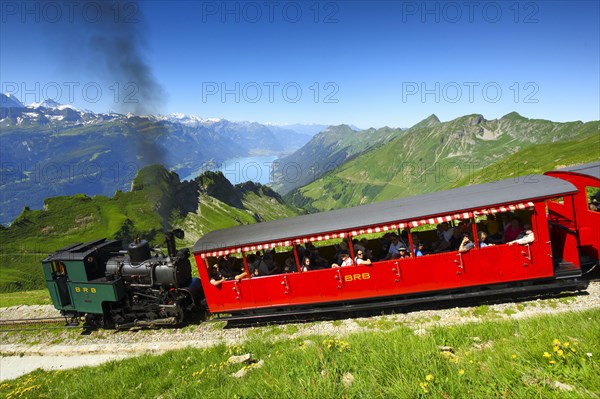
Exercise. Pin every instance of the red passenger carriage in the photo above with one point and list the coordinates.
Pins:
(490, 270)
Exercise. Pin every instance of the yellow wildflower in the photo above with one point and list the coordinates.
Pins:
(552, 362)
(547, 355)
(555, 348)
(513, 356)
(573, 350)
(461, 371)
(560, 352)
(429, 377)
(566, 344)
(556, 342)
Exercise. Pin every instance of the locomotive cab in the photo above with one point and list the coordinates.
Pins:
(75, 277)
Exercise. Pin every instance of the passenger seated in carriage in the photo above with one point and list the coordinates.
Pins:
(512, 230)
(420, 249)
(268, 266)
(456, 239)
(290, 265)
(227, 268)
(253, 263)
(316, 260)
(467, 244)
(394, 250)
(403, 253)
(361, 258)
(444, 233)
(342, 247)
(494, 233)
(346, 261)
(525, 237)
(306, 264)
(216, 278)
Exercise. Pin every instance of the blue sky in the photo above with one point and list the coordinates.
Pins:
(361, 63)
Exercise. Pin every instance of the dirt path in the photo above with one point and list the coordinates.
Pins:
(22, 352)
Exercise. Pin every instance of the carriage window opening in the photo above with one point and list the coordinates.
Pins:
(58, 267)
(369, 245)
(558, 200)
(593, 198)
(226, 267)
(272, 261)
(492, 226)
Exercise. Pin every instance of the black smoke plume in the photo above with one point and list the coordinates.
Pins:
(116, 49)
(109, 40)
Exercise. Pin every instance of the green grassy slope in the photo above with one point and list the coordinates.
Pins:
(244, 203)
(158, 200)
(490, 358)
(326, 151)
(432, 156)
(536, 159)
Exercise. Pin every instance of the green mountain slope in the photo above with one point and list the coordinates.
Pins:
(537, 159)
(157, 201)
(223, 205)
(325, 152)
(431, 156)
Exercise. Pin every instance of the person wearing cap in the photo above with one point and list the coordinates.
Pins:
(346, 261)
(403, 253)
(525, 238)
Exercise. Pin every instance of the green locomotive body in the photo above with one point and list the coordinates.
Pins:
(122, 288)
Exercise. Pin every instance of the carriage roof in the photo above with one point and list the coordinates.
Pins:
(589, 169)
(463, 199)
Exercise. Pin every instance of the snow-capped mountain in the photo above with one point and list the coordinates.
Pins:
(49, 113)
(189, 120)
(46, 104)
(9, 101)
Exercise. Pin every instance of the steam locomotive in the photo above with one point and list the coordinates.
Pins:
(114, 288)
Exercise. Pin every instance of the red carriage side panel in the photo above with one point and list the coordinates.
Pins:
(583, 224)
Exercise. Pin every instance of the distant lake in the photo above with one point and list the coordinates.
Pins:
(239, 170)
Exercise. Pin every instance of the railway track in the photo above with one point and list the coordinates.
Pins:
(38, 323)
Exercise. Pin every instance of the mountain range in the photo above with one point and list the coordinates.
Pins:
(434, 155)
(48, 149)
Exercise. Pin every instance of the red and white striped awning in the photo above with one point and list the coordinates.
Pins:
(370, 230)
(440, 219)
(503, 209)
